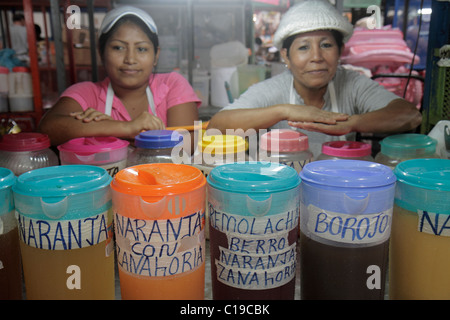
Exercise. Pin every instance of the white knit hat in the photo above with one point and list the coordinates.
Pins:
(311, 15)
(115, 14)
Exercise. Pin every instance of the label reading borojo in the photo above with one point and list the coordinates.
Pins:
(163, 247)
(347, 228)
(66, 234)
(259, 255)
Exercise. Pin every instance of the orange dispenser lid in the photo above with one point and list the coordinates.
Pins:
(154, 182)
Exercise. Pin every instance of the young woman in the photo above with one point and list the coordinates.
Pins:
(315, 95)
(131, 98)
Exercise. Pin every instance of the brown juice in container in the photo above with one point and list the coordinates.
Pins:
(346, 212)
(253, 231)
(10, 262)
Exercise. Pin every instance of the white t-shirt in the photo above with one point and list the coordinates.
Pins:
(355, 94)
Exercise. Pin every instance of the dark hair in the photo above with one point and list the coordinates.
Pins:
(132, 19)
(18, 17)
(338, 37)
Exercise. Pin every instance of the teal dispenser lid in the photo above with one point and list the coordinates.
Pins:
(253, 177)
(63, 192)
(423, 184)
(7, 180)
(408, 145)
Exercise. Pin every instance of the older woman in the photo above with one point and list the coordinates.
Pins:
(315, 95)
(132, 98)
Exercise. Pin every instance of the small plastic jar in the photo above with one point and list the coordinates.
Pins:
(287, 147)
(25, 151)
(407, 146)
(110, 153)
(154, 146)
(349, 150)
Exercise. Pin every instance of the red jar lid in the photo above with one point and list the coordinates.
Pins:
(24, 141)
(21, 69)
(4, 70)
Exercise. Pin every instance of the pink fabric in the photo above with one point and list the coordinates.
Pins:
(169, 89)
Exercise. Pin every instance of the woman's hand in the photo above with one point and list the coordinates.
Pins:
(145, 121)
(89, 115)
(299, 115)
(333, 129)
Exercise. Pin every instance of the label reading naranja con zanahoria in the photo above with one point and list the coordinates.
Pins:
(163, 247)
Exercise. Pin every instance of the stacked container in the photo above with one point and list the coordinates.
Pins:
(25, 151)
(4, 89)
(20, 93)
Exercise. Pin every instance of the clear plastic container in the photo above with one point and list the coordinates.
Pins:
(25, 151)
(401, 147)
(109, 153)
(350, 150)
(287, 147)
(154, 146)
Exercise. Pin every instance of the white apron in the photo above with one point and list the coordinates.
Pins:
(110, 96)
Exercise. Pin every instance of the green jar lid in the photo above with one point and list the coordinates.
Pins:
(408, 145)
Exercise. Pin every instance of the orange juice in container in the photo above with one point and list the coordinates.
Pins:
(65, 232)
(159, 225)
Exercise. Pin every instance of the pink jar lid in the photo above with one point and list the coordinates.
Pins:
(284, 140)
(348, 149)
(24, 141)
(93, 150)
(89, 145)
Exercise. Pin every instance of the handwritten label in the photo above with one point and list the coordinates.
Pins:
(65, 234)
(345, 228)
(160, 247)
(259, 255)
(434, 223)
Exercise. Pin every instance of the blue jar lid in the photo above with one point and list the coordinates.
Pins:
(253, 177)
(7, 178)
(347, 173)
(63, 192)
(432, 174)
(158, 139)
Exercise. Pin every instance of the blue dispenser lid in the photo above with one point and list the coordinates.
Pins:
(63, 192)
(158, 139)
(253, 177)
(423, 184)
(7, 178)
(347, 173)
(432, 174)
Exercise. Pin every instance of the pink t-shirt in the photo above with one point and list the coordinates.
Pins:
(168, 89)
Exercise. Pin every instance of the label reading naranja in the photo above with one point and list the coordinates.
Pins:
(346, 228)
(65, 234)
(155, 248)
(259, 256)
(434, 223)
